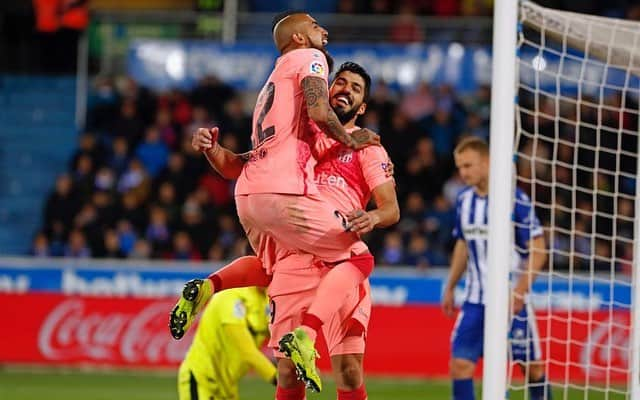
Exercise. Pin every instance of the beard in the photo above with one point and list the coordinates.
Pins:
(346, 116)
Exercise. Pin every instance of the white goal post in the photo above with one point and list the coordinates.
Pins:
(568, 86)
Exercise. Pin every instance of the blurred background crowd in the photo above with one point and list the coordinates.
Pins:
(134, 188)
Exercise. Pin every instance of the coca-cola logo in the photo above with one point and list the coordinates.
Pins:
(73, 331)
(606, 348)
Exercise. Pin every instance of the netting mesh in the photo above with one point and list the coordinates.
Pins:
(576, 156)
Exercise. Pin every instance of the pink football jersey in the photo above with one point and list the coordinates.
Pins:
(281, 160)
(348, 177)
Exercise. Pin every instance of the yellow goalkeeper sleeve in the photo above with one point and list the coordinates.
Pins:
(241, 339)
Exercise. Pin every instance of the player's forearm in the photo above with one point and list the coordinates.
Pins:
(227, 163)
(244, 347)
(316, 97)
(332, 127)
(458, 264)
(535, 263)
(387, 211)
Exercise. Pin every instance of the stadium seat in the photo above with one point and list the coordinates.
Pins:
(37, 137)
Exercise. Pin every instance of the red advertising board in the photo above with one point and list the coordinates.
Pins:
(404, 340)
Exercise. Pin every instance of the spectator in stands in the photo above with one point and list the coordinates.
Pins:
(412, 214)
(105, 180)
(167, 200)
(442, 127)
(83, 177)
(135, 180)
(419, 103)
(40, 246)
(153, 152)
(176, 175)
(420, 254)
(88, 145)
(128, 124)
(424, 166)
(405, 27)
(62, 204)
(158, 233)
(119, 157)
(141, 250)
(77, 247)
(393, 251)
(183, 249)
(194, 224)
(126, 236)
(438, 223)
(168, 133)
(111, 246)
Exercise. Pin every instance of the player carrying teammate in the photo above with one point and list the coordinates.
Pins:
(276, 197)
(470, 254)
(348, 178)
(227, 345)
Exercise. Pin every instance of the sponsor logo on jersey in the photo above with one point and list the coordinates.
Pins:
(316, 67)
(345, 156)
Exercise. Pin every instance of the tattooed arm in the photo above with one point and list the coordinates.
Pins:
(316, 96)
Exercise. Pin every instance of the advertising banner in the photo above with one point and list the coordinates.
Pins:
(132, 332)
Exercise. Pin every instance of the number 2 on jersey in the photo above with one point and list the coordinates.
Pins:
(263, 134)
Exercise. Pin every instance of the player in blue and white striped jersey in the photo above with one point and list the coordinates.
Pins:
(470, 255)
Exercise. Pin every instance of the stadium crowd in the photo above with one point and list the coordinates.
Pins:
(136, 189)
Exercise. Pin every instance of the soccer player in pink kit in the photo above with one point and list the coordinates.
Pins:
(276, 197)
(348, 179)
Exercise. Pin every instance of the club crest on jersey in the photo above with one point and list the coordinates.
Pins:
(345, 156)
(316, 67)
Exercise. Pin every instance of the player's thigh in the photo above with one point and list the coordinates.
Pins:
(307, 223)
(467, 338)
(286, 315)
(346, 330)
(524, 337)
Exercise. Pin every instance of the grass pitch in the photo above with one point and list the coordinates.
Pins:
(66, 384)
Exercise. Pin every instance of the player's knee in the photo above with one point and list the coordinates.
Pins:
(535, 371)
(461, 368)
(350, 372)
(287, 377)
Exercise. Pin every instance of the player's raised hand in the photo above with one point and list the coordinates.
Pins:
(205, 139)
(361, 221)
(448, 304)
(364, 137)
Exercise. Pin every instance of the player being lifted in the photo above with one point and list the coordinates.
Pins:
(276, 197)
(227, 345)
(349, 179)
(470, 255)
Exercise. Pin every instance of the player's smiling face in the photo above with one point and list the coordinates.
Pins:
(347, 96)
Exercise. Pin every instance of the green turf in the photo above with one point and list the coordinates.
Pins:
(49, 384)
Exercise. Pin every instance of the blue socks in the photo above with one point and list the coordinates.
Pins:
(463, 389)
(537, 389)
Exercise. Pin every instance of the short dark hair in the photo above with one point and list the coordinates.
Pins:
(279, 17)
(359, 70)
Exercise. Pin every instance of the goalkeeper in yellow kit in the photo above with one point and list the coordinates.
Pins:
(226, 346)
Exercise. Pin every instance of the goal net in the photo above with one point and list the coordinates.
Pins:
(576, 155)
